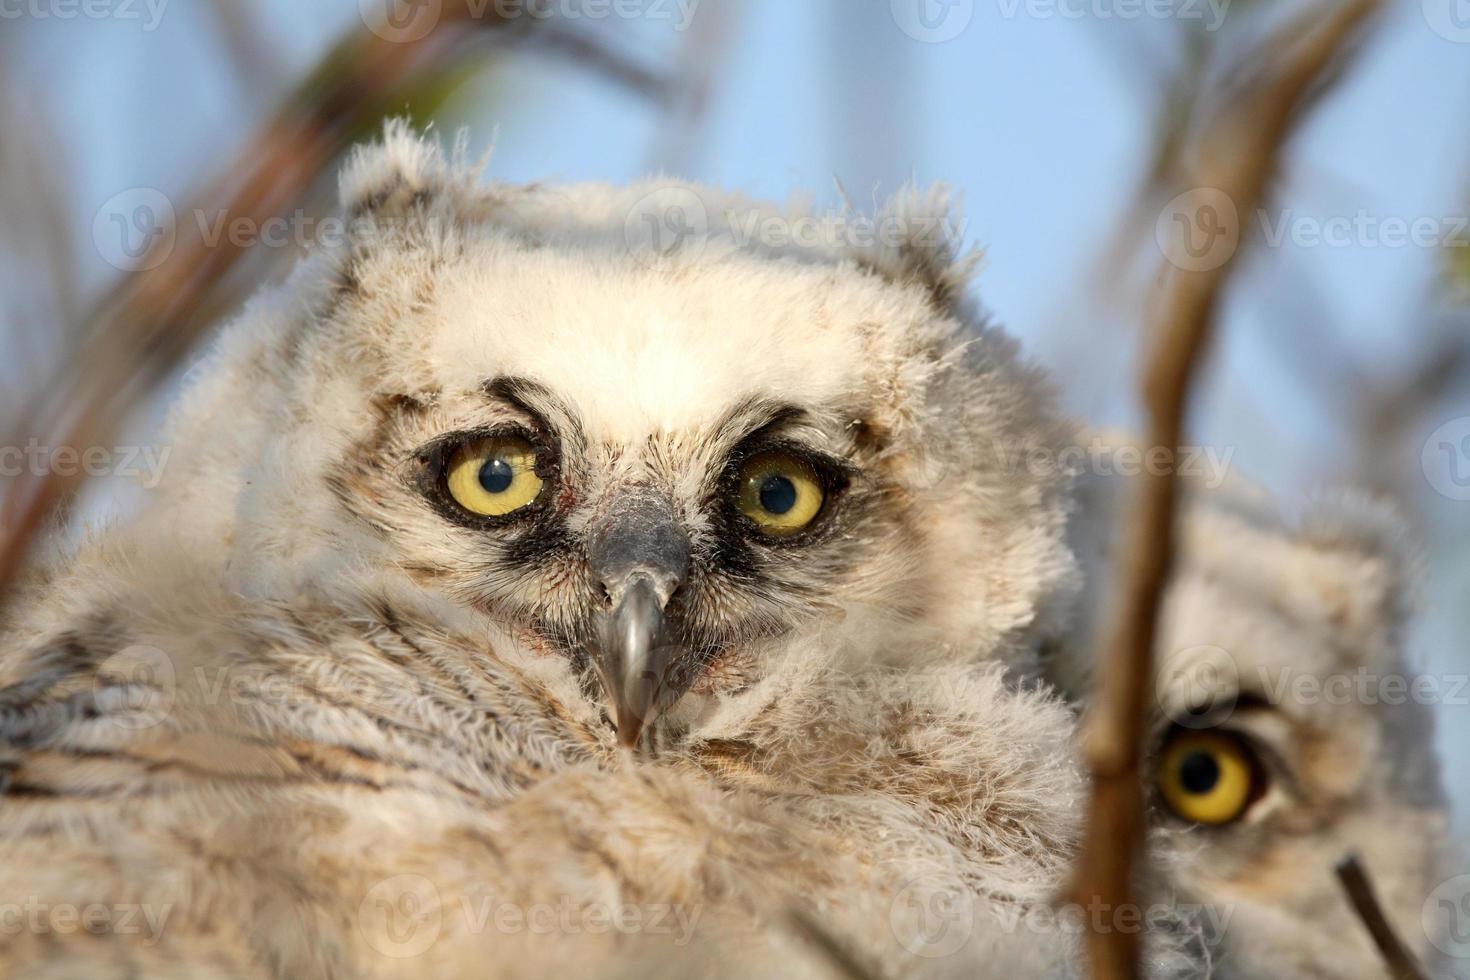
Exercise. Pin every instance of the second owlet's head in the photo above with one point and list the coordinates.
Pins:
(661, 432)
(1289, 729)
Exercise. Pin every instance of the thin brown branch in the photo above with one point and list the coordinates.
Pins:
(1355, 882)
(1236, 157)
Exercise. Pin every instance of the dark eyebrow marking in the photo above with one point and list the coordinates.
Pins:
(536, 400)
(755, 415)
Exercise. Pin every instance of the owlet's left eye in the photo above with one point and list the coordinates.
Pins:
(494, 477)
(780, 493)
(1208, 778)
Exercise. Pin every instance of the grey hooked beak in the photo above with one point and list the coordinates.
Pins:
(640, 556)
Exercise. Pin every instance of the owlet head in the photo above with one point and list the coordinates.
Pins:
(658, 431)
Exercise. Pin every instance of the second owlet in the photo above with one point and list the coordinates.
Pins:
(1290, 731)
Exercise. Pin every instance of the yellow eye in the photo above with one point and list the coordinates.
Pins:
(780, 493)
(494, 477)
(1206, 777)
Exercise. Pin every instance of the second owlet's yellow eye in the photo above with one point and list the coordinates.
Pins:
(494, 477)
(780, 493)
(1206, 777)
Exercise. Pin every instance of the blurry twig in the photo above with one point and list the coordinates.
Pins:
(834, 950)
(144, 326)
(600, 56)
(1238, 157)
(703, 57)
(255, 60)
(1401, 963)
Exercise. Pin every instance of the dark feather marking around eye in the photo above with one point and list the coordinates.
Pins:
(755, 415)
(546, 537)
(544, 408)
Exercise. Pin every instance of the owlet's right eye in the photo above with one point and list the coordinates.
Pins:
(494, 477)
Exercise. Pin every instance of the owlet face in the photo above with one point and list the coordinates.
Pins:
(1291, 738)
(665, 466)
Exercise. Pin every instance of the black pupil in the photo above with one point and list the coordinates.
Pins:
(778, 495)
(1199, 772)
(496, 476)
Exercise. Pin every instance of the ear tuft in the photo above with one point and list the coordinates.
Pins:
(405, 169)
(920, 238)
(1368, 545)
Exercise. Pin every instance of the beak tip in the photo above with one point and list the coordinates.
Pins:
(634, 658)
(629, 732)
